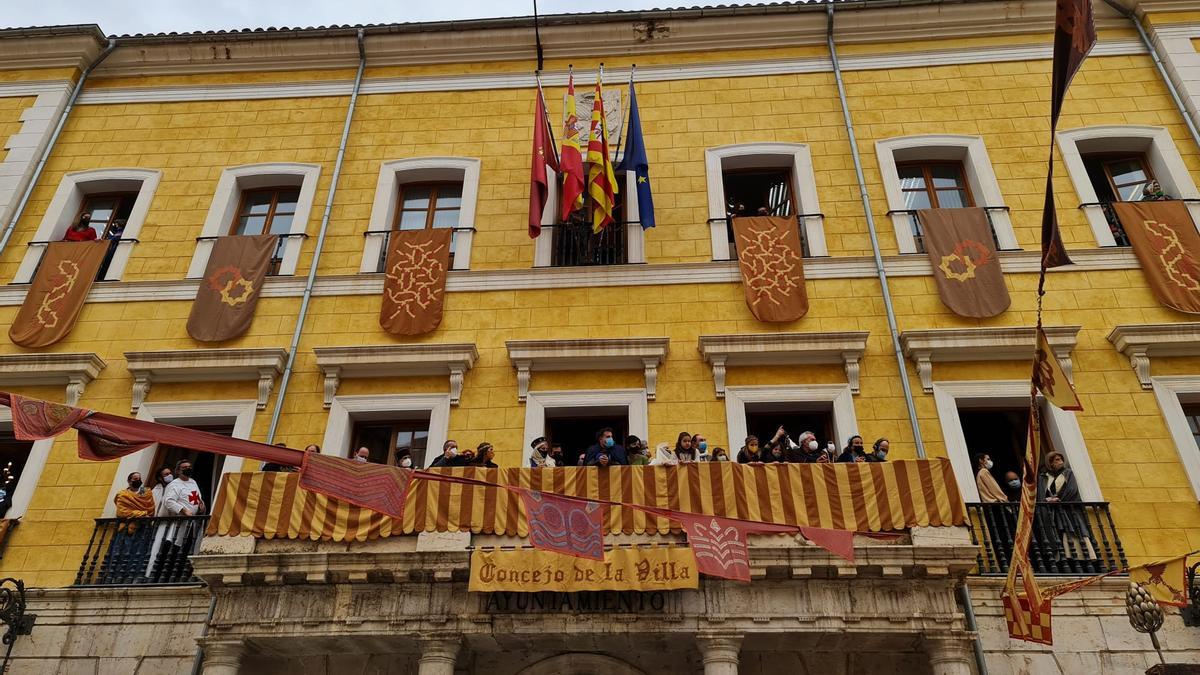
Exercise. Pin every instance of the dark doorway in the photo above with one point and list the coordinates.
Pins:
(389, 441)
(13, 454)
(1000, 433)
(575, 428)
(762, 419)
(206, 467)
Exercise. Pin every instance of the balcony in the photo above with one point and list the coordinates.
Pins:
(574, 244)
(1076, 539)
(141, 551)
(918, 232)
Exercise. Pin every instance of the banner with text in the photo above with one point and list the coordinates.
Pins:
(623, 569)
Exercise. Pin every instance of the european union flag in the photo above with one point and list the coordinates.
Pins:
(635, 161)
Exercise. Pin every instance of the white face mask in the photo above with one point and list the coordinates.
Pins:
(406, 462)
(360, 458)
(989, 465)
(453, 450)
(812, 445)
(167, 480)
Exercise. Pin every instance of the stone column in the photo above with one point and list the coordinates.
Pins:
(949, 655)
(438, 655)
(719, 652)
(223, 658)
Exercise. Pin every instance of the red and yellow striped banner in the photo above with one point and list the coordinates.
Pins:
(875, 497)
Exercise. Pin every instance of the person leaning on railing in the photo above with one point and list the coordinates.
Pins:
(1057, 486)
(636, 451)
(135, 501)
(606, 451)
(985, 482)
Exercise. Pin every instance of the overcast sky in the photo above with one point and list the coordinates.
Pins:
(152, 16)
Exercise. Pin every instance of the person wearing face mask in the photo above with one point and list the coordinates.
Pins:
(855, 452)
(808, 450)
(362, 455)
(404, 460)
(1061, 519)
(749, 453)
(161, 478)
(635, 450)
(182, 495)
(135, 501)
(541, 457)
(606, 452)
(989, 489)
(719, 455)
(881, 449)
(700, 448)
(775, 455)
(130, 542)
(1012, 486)
(664, 455)
(556, 453)
(484, 454)
(449, 456)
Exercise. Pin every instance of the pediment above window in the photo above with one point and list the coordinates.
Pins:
(644, 354)
(784, 349)
(1007, 343)
(205, 365)
(1140, 342)
(454, 360)
(72, 370)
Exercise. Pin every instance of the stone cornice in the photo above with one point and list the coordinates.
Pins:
(1007, 343)
(205, 365)
(778, 349)
(337, 363)
(1140, 342)
(75, 370)
(643, 354)
(43, 48)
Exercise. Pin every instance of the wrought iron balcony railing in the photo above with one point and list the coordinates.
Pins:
(1068, 538)
(918, 232)
(574, 244)
(141, 551)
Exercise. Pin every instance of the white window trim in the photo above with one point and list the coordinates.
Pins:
(228, 195)
(1064, 431)
(804, 187)
(635, 236)
(634, 400)
(35, 464)
(182, 413)
(985, 189)
(387, 192)
(1167, 388)
(845, 420)
(345, 409)
(66, 202)
(1161, 153)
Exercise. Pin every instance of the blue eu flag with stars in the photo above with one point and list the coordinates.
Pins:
(635, 161)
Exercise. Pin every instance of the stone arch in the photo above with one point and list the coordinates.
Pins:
(581, 664)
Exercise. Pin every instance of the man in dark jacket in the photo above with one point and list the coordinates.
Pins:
(605, 452)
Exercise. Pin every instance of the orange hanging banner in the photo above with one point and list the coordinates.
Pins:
(414, 290)
(233, 279)
(57, 293)
(965, 266)
(1165, 240)
(771, 259)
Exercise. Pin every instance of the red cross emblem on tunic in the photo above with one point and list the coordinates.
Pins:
(194, 497)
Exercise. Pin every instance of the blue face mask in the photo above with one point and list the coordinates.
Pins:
(1014, 483)
(608, 442)
(703, 445)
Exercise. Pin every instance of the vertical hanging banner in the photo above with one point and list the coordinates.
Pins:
(965, 266)
(414, 289)
(602, 183)
(772, 266)
(233, 279)
(58, 292)
(1049, 377)
(1165, 241)
(571, 159)
(568, 526)
(543, 156)
(720, 543)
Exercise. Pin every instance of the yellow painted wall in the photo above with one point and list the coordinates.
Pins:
(11, 108)
(1005, 103)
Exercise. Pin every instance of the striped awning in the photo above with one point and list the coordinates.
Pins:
(864, 497)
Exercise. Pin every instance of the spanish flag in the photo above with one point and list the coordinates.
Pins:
(571, 160)
(602, 184)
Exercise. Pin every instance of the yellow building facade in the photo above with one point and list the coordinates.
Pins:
(187, 128)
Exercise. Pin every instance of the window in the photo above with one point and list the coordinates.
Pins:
(389, 441)
(206, 467)
(423, 193)
(762, 419)
(1191, 412)
(260, 199)
(777, 177)
(827, 410)
(940, 171)
(424, 206)
(1179, 400)
(751, 192)
(575, 428)
(110, 196)
(573, 243)
(13, 455)
(1117, 178)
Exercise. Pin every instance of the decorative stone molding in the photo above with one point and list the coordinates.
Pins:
(205, 365)
(783, 349)
(74, 370)
(1139, 342)
(1008, 343)
(643, 354)
(600, 353)
(337, 363)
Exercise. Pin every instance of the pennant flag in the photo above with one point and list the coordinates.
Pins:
(1020, 565)
(635, 160)
(414, 288)
(1166, 580)
(1165, 241)
(837, 542)
(571, 161)
(1027, 620)
(35, 420)
(543, 156)
(1049, 377)
(378, 487)
(602, 183)
(572, 527)
(771, 262)
(224, 305)
(720, 543)
(59, 290)
(965, 267)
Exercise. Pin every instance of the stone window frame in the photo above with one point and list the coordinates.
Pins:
(1161, 154)
(977, 166)
(635, 235)
(773, 155)
(228, 195)
(344, 411)
(68, 197)
(845, 419)
(240, 412)
(394, 173)
(536, 402)
(1169, 390)
(1063, 428)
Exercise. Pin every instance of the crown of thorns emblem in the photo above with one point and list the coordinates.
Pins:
(234, 288)
(970, 255)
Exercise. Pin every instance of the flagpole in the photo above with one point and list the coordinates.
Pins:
(546, 115)
(621, 137)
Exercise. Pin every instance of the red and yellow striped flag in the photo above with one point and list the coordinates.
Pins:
(602, 183)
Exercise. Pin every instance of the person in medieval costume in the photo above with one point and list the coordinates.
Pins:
(1064, 521)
